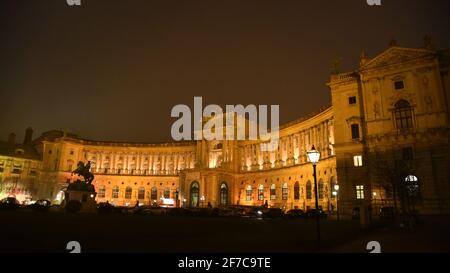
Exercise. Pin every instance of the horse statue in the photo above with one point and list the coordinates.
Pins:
(84, 171)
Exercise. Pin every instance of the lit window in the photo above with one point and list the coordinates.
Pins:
(360, 192)
(412, 185)
(154, 193)
(141, 193)
(248, 193)
(321, 191)
(296, 191)
(115, 192)
(261, 192)
(128, 192)
(101, 192)
(273, 193)
(167, 193)
(308, 190)
(357, 160)
(284, 192)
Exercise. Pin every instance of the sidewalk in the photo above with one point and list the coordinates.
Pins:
(432, 235)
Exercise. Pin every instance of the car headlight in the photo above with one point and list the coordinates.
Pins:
(259, 212)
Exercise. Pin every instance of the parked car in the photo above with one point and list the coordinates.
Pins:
(9, 203)
(178, 212)
(154, 210)
(312, 213)
(272, 213)
(387, 212)
(104, 207)
(42, 205)
(295, 213)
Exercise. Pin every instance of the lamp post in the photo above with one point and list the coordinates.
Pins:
(336, 193)
(314, 156)
(202, 199)
(177, 202)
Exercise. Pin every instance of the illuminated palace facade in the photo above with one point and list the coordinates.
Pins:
(393, 109)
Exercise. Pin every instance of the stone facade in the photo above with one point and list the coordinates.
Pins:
(391, 119)
(393, 109)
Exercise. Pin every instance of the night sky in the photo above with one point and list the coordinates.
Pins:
(113, 69)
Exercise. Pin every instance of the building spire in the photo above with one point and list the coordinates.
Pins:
(392, 42)
(427, 42)
(363, 58)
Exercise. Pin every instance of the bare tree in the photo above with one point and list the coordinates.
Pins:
(391, 172)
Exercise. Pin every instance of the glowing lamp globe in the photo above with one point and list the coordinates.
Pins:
(313, 155)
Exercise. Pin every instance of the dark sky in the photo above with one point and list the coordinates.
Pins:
(113, 69)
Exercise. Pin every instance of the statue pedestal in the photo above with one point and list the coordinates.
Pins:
(80, 197)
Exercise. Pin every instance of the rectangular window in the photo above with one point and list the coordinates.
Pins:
(115, 192)
(352, 100)
(167, 193)
(360, 192)
(248, 195)
(260, 194)
(355, 131)
(284, 193)
(154, 194)
(101, 192)
(141, 194)
(399, 85)
(407, 153)
(273, 194)
(357, 160)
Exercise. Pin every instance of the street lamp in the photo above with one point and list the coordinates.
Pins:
(314, 157)
(176, 199)
(336, 193)
(202, 199)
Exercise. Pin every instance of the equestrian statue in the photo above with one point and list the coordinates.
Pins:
(84, 171)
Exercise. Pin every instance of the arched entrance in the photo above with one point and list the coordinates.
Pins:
(194, 194)
(223, 194)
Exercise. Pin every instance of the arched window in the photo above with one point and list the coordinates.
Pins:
(403, 115)
(167, 193)
(154, 193)
(141, 193)
(115, 192)
(296, 191)
(284, 191)
(261, 192)
(101, 192)
(308, 190)
(194, 194)
(248, 193)
(412, 185)
(128, 192)
(333, 183)
(223, 194)
(70, 165)
(273, 192)
(320, 189)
